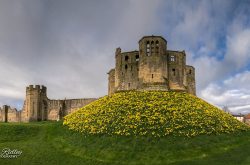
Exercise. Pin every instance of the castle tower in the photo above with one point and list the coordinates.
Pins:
(111, 80)
(190, 79)
(153, 64)
(176, 69)
(5, 113)
(36, 103)
(118, 67)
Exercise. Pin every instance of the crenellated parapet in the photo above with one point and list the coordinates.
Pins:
(36, 88)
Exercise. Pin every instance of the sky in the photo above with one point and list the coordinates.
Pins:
(69, 46)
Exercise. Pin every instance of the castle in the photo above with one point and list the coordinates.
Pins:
(38, 107)
(153, 67)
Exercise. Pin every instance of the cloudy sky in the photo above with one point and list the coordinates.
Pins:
(69, 46)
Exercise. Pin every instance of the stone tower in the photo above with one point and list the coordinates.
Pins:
(152, 64)
(153, 67)
(36, 106)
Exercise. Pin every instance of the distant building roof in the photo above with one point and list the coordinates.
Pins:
(247, 116)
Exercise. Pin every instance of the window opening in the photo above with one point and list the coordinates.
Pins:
(172, 58)
(126, 58)
(157, 43)
(137, 57)
(173, 71)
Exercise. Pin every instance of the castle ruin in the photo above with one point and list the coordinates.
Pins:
(38, 107)
(153, 67)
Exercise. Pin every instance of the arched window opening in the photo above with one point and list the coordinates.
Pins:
(190, 71)
(148, 48)
(148, 52)
(172, 58)
(157, 43)
(131, 68)
(173, 70)
(152, 47)
(126, 58)
(152, 75)
(126, 67)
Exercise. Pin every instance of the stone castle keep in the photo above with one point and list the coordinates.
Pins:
(153, 67)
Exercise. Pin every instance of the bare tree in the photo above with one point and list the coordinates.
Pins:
(226, 109)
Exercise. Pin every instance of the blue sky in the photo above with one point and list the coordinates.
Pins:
(69, 46)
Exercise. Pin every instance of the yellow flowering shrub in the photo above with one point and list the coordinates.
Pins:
(152, 113)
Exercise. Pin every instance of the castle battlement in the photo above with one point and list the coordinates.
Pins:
(36, 90)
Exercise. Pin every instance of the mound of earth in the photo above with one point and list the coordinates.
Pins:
(152, 113)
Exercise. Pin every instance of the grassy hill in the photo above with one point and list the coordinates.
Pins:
(152, 113)
(149, 128)
(52, 143)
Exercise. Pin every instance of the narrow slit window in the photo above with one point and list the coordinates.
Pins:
(173, 70)
(137, 57)
(190, 71)
(152, 47)
(126, 67)
(157, 49)
(152, 75)
(148, 51)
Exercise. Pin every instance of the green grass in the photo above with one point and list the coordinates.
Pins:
(53, 143)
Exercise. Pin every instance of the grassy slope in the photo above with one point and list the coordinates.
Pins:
(152, 113)
(51, 143)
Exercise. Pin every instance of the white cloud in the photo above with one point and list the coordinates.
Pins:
(67, 46)
(238, 52)
(234, 92)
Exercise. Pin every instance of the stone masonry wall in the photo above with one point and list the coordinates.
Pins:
(37, 107)
(8, 114)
